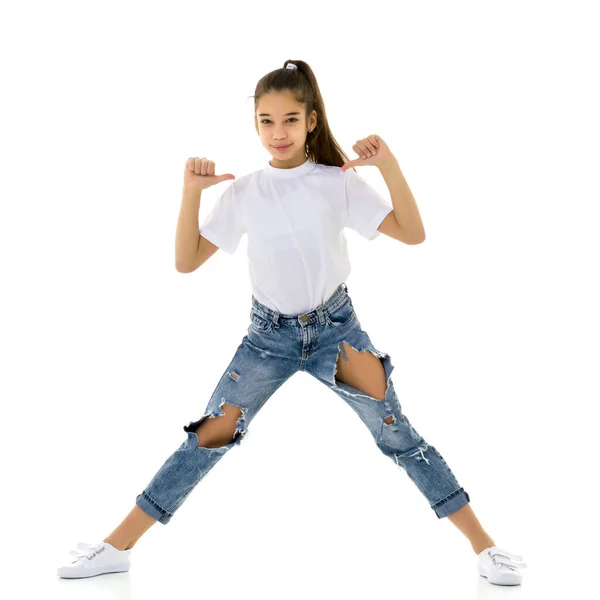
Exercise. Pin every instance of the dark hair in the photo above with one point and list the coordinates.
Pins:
(321, 147)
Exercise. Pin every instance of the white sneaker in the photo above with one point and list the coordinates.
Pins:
(500, 567)
(95, 559)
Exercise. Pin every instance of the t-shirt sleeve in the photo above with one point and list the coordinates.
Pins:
(224, 225)
(365, 206)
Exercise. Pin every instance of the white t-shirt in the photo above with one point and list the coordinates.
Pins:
(295, 219)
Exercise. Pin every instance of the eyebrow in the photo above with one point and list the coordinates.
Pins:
(286, 114)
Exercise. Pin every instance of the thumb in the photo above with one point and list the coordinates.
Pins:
(350, 163)
(224, 177)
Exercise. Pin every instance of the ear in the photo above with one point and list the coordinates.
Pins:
(312, 120)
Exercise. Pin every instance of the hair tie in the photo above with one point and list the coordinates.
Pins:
(291, 66)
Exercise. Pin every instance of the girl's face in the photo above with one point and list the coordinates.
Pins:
(280, 121)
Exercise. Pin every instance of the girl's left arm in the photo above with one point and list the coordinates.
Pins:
(374, 151)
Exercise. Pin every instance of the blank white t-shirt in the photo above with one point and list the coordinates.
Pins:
(295, 220)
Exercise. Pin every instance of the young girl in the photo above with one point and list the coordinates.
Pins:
(302, 318)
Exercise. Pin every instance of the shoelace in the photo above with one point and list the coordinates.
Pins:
(87, 550)
(502, 558)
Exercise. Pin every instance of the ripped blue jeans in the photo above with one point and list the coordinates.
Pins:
(277, 346)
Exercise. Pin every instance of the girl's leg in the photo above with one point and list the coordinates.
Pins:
(464, 518)
(250, 379)
(135, 524)
(365, 372)
(212, 433)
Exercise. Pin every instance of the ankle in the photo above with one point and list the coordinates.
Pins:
(118, 545)
(480, 545)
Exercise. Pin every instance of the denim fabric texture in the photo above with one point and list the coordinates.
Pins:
(275, 347)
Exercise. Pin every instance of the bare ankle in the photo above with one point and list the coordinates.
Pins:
(480, 545)
(118, 545)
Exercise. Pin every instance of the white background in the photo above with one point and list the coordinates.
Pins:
(492, 323)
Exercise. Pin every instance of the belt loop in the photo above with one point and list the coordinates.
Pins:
(276, 319)
(321, 315)
(345, 286)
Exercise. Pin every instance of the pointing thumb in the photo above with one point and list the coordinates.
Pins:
(224, 177)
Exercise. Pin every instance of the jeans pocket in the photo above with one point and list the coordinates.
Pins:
(343, 314)
(260, 324)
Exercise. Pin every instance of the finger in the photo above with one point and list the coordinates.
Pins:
(204, 167)
(356, 149)
(365, 151)
(370, 146)
(375, 140)
(210, 170)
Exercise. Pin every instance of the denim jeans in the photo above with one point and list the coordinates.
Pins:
(277, 346)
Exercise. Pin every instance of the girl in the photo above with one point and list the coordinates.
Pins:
(294, 211)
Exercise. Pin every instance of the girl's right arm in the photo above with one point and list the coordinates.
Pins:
(191, 249)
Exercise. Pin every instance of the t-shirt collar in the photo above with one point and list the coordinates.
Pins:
(287, 173)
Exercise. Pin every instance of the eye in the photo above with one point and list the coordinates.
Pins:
(294, 118)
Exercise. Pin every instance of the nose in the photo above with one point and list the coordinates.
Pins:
(279, 136)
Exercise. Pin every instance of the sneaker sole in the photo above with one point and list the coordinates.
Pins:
(501, 582)
(64, 574)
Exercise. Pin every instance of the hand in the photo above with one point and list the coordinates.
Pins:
(199, 173)
(372, 151)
